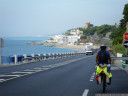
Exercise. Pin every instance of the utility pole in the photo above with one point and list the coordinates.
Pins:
(1, 46)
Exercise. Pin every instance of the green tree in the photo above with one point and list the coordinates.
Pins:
(125, 17)
(83, 37)
(118, 35)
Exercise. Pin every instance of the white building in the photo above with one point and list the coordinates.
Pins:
(58, 38)
(62, 39)
(73, 39)
(76, 32)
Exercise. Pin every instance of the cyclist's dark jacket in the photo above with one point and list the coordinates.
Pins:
(107, 55)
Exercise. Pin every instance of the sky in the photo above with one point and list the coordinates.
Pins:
(51, 17)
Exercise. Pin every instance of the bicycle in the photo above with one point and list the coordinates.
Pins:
(102, 78)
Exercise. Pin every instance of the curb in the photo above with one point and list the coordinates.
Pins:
(126, 70)
(7, 65)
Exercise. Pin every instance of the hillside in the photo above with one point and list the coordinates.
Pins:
(96, 34)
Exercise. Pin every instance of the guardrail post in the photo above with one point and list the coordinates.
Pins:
(25, 56)
(70, 54)
(32, 56)
(15, 59)
(53, 56)
(44, 56)
(49, 56)
(66, 54)
(59, 55)
(56, 55)
(39, 58)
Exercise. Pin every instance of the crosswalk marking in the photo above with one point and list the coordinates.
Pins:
(24, 72)
(17, 74)
(9, 75)
(1, 80)
(29, 70)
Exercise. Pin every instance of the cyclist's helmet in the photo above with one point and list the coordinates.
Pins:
(103, 47)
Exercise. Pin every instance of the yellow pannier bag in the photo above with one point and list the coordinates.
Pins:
(99, 70)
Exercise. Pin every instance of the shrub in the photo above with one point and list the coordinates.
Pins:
(119, 48)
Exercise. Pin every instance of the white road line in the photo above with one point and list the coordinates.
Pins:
(38, 68)
(24, 72)
(92, 77)
(1, 80)
(31, 70)
(9, 75)
(93, 74)
(34, 70)
(46, 69)
(91, 80)
(46, 66)
(115, 68)
(85, 92)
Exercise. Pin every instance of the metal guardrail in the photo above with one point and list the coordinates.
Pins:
(47, 57)
(119, 58)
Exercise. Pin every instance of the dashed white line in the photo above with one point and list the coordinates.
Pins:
(92, 77)
(91, 80)
(85, 92)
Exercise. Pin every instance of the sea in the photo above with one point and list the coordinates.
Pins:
(20, 46)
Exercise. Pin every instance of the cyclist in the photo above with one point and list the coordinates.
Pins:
(103, 56)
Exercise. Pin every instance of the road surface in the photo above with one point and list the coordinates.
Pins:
(72, 76)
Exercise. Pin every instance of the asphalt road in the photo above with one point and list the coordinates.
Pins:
(73, 76)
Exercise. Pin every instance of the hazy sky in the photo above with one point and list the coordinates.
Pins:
(49, 17)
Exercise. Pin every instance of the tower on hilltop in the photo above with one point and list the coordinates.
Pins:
(86, 25)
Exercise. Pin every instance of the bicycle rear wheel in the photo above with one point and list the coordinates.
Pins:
(104, 83)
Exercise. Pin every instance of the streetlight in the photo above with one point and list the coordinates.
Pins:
(33, 44)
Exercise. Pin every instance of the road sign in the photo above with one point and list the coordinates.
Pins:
(126, 44)
(126, 36)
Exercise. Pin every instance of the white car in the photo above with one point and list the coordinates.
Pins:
(89, 51)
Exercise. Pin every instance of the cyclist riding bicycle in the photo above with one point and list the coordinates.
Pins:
(103, 57)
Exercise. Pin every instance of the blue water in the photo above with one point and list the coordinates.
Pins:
(18, 46)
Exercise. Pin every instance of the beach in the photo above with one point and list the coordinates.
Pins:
(77, 47)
